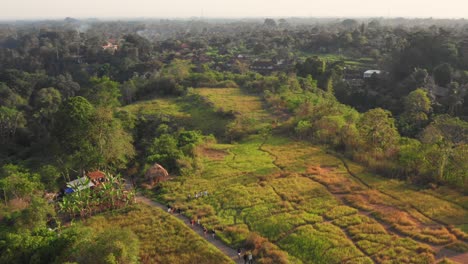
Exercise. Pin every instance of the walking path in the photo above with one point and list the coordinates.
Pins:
(230, 252)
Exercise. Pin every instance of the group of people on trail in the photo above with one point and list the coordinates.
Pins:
(205, 230)
(172, 210)
(248, 258)
(197, 195)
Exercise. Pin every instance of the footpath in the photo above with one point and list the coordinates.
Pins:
(230, 252)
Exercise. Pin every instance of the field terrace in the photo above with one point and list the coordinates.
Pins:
(313, 204)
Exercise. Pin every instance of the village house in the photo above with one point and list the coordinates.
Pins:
(94, 178)
(370, 73)
(110, 46)
(263, 66)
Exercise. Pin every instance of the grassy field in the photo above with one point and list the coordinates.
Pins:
(315, 206)
(350, 62)
(190, 112)
(163, 238)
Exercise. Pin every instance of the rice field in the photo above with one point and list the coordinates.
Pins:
(313, 205)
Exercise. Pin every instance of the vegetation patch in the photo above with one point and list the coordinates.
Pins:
(162, 238)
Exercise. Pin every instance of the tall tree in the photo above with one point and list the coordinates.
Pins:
(10, 120)
(443, 74)
(104, 92)
(377, 130)
(110, 140)
(417, 107)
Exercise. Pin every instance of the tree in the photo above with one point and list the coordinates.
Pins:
(314, 66)
(417, 107)
(66, 85)
(110, 141)
(455, 99)
(71, 129)
(73, 121)
(128, 90)
(39, 212)
(10, 120)
(16, 182)
(350, 23)
(271, 23)
(9, 98)
(443, 74)
(377, 130)
(178, 69)
(104, 92)
(446, 149)
(164, 151)
(46, 104)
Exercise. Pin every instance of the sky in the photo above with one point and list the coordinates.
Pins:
(56, 9)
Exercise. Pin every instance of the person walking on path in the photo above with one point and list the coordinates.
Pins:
(205, 230)
(239, 251)
(245, 259)
(213, 233)
(250, 258)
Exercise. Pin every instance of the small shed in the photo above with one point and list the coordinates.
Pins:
(156, 174)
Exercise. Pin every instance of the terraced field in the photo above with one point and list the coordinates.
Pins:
(315, 206)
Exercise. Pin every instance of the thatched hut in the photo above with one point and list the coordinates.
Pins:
(156, 174)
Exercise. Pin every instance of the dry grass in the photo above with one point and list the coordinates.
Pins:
(285, 189)
(163, 238)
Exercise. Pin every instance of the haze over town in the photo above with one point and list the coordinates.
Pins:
(32, 9)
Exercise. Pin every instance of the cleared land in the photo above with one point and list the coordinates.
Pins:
(314, 205)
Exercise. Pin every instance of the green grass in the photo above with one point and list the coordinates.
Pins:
(163, 238)
(333, 57)
(285, 190)
(250, 116)
(321, 243)
(450, 210)
(187, 111)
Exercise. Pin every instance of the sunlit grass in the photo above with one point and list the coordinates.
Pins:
(301, 197)
(163, 238)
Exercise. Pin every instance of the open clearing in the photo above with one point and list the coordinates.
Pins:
(316, 206)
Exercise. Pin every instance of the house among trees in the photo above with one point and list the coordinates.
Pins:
(78, 185)
(91, 179)
(369, 73)
(110, 46)
(97, 177)
(263, 66)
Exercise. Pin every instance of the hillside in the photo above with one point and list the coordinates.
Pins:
(311, 203)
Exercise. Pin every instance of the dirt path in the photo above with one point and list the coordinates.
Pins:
(231, 253)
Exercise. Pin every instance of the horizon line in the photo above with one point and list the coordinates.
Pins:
(108, 18)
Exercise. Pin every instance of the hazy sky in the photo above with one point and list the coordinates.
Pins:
(231, 8)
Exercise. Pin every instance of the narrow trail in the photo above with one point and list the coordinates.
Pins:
(226, 250)
(275, 161)
(230, 252)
